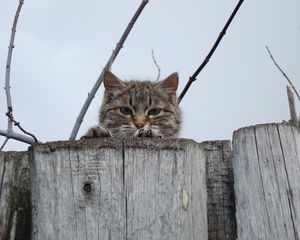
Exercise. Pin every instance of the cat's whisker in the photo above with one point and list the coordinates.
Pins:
(122, 131)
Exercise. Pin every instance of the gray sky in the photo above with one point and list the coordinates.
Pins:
(62, 46)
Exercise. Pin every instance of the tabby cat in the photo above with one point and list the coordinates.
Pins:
(138, 109)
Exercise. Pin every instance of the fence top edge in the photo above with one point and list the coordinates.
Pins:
(13, 154)
(262, 125)
(117, 143)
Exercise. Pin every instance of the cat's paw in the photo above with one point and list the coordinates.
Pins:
(151, 133)
(96, 132)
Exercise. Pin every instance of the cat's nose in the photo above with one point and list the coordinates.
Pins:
(139, 125)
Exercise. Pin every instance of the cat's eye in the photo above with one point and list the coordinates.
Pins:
(154, 111)
(125, 111)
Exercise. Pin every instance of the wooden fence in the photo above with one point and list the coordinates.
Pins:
(155, 189)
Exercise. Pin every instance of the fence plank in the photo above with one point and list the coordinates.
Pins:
(155, 189)
(266, 162)
(117, 189)
(220, 190)
(15, 204)
(76, 191)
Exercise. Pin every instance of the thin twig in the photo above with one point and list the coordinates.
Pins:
(157, 66)
(283, 73)
(108, 65)
(4, 143)
(10, 133)
(211, 52)
(294, 119)
(24, 131)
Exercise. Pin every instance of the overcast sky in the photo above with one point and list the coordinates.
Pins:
(62, 46)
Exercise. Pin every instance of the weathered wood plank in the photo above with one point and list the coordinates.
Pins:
(117, 189)
(290, 142)
(266, 170)
(15, 203)
(76, 191)
(220, 190)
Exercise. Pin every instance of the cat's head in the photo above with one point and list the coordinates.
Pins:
(130, 106)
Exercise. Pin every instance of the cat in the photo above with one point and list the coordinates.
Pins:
(138, 109)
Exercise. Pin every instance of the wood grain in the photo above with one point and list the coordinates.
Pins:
(220, 190)
(15, 204)
(266, 163)
(119, 189)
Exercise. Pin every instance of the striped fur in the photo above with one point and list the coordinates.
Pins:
(150, 109)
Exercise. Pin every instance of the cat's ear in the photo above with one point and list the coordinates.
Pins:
(112, 83)
(170, 84)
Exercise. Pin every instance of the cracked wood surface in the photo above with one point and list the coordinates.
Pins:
(220, 190)
(115, 189)
(15, 204)
(266, 164)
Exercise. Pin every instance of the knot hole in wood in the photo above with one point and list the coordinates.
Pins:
(87, 188)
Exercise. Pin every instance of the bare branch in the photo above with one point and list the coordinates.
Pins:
(10, 133)
(283, 73)
(24, 131)
(108, 65)
(157, 66)
(17, 136)
(8, 64)
(211, 52)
